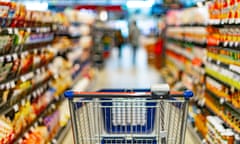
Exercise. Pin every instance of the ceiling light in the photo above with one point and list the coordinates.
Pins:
(103, 16)
(40, 6)
(140, 4)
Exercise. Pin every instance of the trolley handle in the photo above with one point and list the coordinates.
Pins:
(160, 91)
(73, 94)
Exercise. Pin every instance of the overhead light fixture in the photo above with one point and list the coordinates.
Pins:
(200, 4)
(34, 5)
(103, 15)
(140, 4)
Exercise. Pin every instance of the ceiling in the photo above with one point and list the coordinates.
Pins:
(72, 2)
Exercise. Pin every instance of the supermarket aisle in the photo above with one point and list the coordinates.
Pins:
(121, 73)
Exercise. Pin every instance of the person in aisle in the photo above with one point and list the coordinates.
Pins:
(119, 42)
(134, 33)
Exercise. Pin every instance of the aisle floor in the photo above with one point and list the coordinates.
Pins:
(122, 73)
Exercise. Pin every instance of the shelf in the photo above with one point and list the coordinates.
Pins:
(194, 134)
(228, 46)
(223, 78)
(61, 134)
(43, 114)
(38, 70)
(233, 108)
(231, 67)
(12, 30)
(217, 92)
(7, 107)
(180, 50)
(225, 103)
(224, 25)
(64, 130)
(69, 35)
(21, 49)
(202, 45)
(219, 81)
(220, 114)
(205, 25)
(227, 122)
(188, 25)
(38, 119)
(223, 60)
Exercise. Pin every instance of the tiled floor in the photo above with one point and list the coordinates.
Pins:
(122, 73)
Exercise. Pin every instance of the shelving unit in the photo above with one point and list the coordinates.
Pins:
(194, 134)
(214, 73)
(39, 60)
(61, 134)
(50, 108)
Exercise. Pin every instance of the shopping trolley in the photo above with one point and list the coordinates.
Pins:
(119, 116)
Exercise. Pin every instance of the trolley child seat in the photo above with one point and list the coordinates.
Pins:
(120, 116)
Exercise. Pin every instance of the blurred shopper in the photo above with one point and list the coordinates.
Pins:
(119, 42)
(134, 34)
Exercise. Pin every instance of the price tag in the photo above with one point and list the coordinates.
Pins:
(44, 29)
(13, 84)
(10, 30)
(54, 141)
(34, 94)
(15, 56)
(35, 51)
(38, 92)
(53, 106)
(29, 30)
(29, 97)
(26, 135)
(236, 44)
(38, 71)
(202, 102)
(20, 141)
(23, 78)
(232, 89)
(23, 102)
(42, 89)
(28, 76)
(222, 100)
(8, 85)
(9, 57)
(234, 68)
(16, 30)
(31, 129)
(36, 124)
(225, 44)
(23, 55)
(38, 29)
(16, 107)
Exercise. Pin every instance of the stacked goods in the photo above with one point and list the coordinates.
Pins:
(204, 56)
